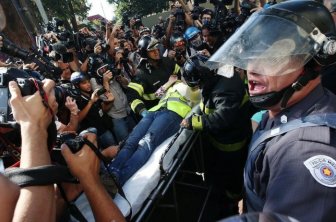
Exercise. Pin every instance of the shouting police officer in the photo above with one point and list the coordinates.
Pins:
(291, 167)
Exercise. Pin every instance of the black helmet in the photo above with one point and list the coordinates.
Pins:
(304, 30)
(195, 72)
(176, 38)
(320, 17)
(147, 43)
(78, 77)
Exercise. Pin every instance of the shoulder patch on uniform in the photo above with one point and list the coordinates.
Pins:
(323, 169)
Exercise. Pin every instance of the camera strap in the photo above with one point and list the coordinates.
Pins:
(39, 176)
(106, 162)
(39, 88)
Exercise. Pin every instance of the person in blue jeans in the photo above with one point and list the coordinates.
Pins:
(159, 123)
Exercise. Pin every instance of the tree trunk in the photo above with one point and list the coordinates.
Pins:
(72, 16)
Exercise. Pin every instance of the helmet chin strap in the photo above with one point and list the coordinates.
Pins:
(270, 99)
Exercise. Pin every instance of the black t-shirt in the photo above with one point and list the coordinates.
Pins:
(94, 118)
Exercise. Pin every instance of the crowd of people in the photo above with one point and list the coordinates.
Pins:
(122, 90)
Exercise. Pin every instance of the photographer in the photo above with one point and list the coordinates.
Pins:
(123, 64)
(178, 20)
(178, 50)
(194, 39)
(101, 50)
(112, 80)
(85, 166)
(92, 109)
(212, 37)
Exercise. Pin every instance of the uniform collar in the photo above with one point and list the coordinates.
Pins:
(302, 108)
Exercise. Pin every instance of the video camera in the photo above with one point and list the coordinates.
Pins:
(46, 68)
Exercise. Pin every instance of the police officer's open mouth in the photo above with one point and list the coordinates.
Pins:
(256, 87)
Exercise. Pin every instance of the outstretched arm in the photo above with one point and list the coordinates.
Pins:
(36, 203)
(85, 166)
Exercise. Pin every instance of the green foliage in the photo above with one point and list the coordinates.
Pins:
(61, 9)
(138, 7)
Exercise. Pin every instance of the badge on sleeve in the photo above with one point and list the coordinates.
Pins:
(323, 169)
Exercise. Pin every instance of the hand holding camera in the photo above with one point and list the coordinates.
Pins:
(83, 164)
(31, 66)
(94, 96)
(172, 54)
(97, 48)
(107, 76)
(29, 110)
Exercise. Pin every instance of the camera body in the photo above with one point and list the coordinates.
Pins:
(138, 21)
(101, 70)
(73, 141)
(64, 90)
(101, 91)
(27, 87)
(180, 16)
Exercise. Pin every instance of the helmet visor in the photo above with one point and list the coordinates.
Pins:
(267, 45)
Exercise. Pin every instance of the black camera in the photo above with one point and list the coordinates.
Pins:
(245, 8)
(27, 87)
(101, 70)
(157, 31)
(180, 16)
(64, 90)
(101, 91)
(223, 2)
(91, 42)
(73, 141)
(197, 2)
(105, 47)
(54, 24)
(138, 21)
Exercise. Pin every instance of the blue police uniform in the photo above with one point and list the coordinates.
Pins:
(291, 167)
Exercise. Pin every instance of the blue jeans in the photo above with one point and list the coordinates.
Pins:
(106, 139)
(122, 127)
(150, 132)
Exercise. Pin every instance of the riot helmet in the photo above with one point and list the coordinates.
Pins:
(147, 43)
(144, 31)
(281, 39)
(195, 72)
